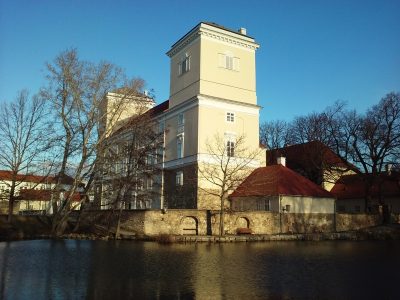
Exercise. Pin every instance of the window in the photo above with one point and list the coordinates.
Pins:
(230, 117)
(140, 184)
(181, 119)
(149, 183)
(181, 122)
(228, 61)
(161, 126)
(184, 65)
(230, 148)
(357, 208)
(179, 178)
(179, 147)
(341, 208)
(263, 204)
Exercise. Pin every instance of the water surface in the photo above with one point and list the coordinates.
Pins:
(69, 269)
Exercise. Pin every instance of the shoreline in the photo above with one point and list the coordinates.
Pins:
(384, 232)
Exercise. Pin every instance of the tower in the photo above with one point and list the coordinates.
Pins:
(212, 92)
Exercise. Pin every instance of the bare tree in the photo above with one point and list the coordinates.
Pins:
(274, 134)
(372, 141)
(127, 172)
(25, 139)
(76, 90)
(312, 144)
(230, 162)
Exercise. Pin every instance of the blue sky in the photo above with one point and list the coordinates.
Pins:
(312, 52)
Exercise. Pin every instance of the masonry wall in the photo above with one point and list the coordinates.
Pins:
(184, 196)
(345, 222)
(206, 222)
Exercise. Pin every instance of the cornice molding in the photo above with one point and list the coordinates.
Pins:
(228, 39)
(183, 43)
(214, 33)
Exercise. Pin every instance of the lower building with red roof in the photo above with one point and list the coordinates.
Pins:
(277, 188)
(351, 192)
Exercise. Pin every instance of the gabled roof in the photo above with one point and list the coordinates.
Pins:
(300, 154)
(354, 186)
(278, 180)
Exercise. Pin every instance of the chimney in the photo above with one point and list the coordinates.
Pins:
(242, 30)
(281, 161)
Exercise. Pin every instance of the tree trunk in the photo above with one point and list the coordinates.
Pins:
(11, 199)
(221, 218)
(10, 208)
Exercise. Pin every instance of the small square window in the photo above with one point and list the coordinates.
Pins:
(230, 117)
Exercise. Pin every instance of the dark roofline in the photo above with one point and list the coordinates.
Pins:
(210, 24)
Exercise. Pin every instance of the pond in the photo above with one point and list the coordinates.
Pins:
(73, 269)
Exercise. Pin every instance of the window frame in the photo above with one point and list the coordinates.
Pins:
(230, 117)
(228, 61)
(180, 150)
(230, 148)
(179, 178)
(184, 64)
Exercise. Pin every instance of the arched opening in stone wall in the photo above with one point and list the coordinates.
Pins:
(189, 225)
(242, 222)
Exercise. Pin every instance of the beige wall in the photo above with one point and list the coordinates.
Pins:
(219, 82)
(187, 85)
(190, 133)
(207, 76)
(330, 177)
(212, 121)
(116, 108)
(298, 204)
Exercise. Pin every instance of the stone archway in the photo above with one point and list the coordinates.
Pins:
(189, 225)
(242, 222)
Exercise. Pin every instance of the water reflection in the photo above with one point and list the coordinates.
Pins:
(132, 270)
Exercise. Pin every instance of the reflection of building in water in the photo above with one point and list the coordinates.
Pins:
(225, 271)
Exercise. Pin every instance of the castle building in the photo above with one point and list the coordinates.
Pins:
(212, 93)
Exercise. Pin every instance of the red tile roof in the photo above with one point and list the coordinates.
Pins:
(278, 180)
(160, 108)
(302, 155)
(353, 187)
(7, 175)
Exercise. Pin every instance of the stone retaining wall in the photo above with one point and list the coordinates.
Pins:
(203, 222)
(346, 222)
(200, 222)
